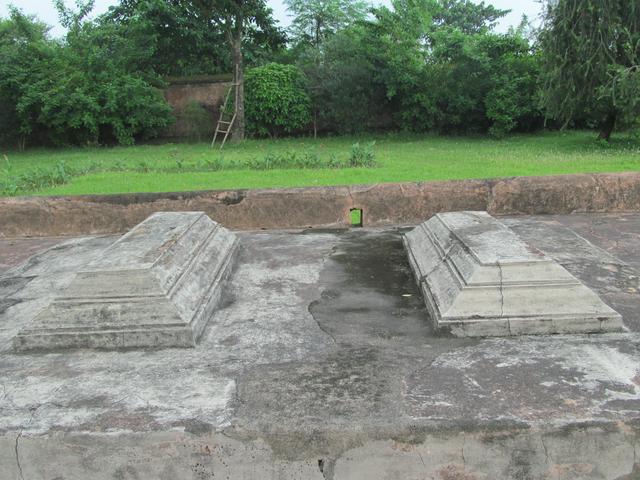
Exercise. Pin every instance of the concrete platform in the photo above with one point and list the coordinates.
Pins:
(323, 365)
(156, 286)
(479, 279)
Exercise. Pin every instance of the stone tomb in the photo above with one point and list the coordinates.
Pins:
(156, 286)
(479, 278)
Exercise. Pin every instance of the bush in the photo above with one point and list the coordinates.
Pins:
(362, 155)
(276, 101)
(342, 80)
(82, 91)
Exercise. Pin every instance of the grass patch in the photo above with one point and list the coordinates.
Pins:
(43, 177)
(355, 215)
(308, 162)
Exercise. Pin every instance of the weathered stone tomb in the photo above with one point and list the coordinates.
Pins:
(479, 278)
(156, 286)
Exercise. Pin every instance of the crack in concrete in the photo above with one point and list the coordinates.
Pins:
(123, 400)
(464, 459)
(489, 184)
(34, 411)
(323, 329)
(546, 451)
(422, 460)
(501, 291)
(352, 201)
(17, 453)
(19, 436)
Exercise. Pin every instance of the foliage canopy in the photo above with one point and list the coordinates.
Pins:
(591, 52)
(84, 90)
(415, 65)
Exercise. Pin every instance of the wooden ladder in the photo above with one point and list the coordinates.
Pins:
(225, 126)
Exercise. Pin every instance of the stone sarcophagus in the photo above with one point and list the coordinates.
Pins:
(479, 278)
(156, 286)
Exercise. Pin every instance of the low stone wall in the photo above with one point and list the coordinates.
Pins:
(324, 207)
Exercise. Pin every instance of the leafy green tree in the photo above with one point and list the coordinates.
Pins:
(465, 15)
(234, 18)
(277, 101)
(70, 18)
(592, 62)
(315, 20)
(86, 89)
(453, 75)
(314, 23)
(511, 102)
(186, 43)
(343, 83)
(425, 65)
(24, 49)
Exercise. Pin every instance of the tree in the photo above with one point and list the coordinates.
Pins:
(84, 89)
(24, 49)
(342, 79)
(452, 75)
(72, 19)
(182, 43)
(591, 66)
(186, 43)
(467, 16)
(235, 18)
(315, 20)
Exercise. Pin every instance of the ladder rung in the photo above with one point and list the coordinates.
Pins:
(222, 121)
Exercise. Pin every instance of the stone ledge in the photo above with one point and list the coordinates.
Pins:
(320, 207)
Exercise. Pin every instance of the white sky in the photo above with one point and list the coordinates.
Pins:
(45, 11)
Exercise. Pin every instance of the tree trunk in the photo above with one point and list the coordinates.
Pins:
(315, 122)
(607, 128)
(238, 131)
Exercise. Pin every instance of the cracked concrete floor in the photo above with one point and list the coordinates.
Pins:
(322, 364)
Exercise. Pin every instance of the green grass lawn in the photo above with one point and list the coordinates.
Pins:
(399, 158)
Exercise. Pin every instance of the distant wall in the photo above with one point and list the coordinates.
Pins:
(208, 92)
(381, 204)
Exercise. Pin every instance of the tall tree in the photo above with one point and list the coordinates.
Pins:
(185, 42)
(70, 18)
(468, 16)
(315, 20)
(592, 61)
(25, 49)
(235, 18)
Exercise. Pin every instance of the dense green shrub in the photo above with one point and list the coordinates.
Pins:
(86, 90)
(425, 66)
(362, 155)
(472, 84)
(276, 101)
(342, 80)
(512, 102)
